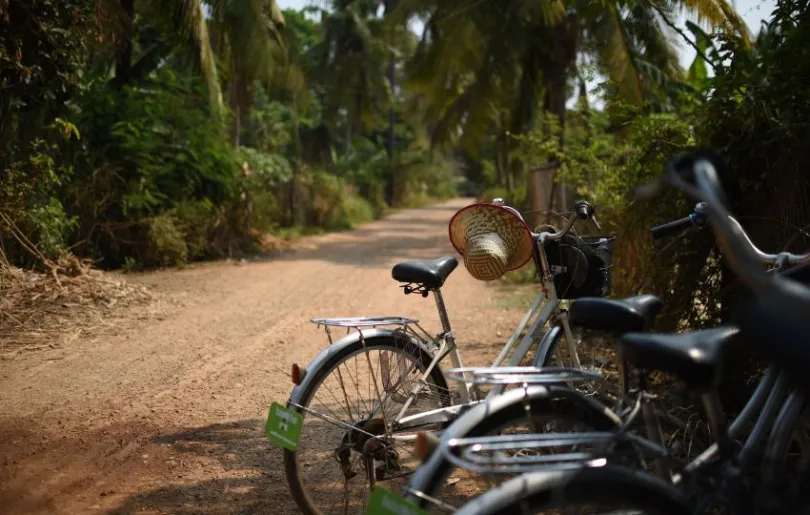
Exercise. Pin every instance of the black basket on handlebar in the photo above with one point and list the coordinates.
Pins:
(581, 266)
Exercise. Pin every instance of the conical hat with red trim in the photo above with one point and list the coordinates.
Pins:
(491, 238)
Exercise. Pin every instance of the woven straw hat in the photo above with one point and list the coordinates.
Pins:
(491, 238)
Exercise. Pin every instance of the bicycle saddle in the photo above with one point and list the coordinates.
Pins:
(616, 315)
(432, 273)
(694, 356)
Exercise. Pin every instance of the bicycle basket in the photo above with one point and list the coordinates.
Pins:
(581, 265)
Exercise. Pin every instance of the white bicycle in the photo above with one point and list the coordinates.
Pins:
(364, 397)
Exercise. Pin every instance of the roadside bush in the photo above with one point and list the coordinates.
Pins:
(145, 151)
(28, 198)
(260, 189)
(423, 177)
(331, 204)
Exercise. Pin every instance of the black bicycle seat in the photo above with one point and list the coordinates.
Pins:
(616, 315)
(694, 356)
(432, 273)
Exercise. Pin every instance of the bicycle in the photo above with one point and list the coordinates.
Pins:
(607, 410)
(723, 472)
(370, 444)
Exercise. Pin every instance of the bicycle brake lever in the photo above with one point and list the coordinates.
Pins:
(596, 223)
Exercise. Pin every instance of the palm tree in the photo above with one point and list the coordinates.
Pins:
(359, 57)
(247, 37)
(476, 57)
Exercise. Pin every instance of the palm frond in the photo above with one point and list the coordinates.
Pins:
(618, 54)
(189, 22)
(719, 14)
(650, 29)
(252, 33)
(548, 13)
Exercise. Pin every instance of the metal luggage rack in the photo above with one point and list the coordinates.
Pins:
(405, 324)
(521, 375)
(468, 453)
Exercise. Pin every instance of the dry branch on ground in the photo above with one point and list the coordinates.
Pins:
(41, 310)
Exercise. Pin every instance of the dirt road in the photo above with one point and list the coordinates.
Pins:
(167, 415)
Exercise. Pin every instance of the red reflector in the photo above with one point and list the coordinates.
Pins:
(421, 446)
(296, 374)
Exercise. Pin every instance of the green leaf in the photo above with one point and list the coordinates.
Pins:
(698, 73)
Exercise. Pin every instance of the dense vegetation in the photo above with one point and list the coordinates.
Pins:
(141, 133)
(136, 132)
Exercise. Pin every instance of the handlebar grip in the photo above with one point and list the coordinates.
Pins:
(671, 227)
(584, 210)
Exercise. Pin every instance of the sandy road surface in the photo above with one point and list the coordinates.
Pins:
(167, 415)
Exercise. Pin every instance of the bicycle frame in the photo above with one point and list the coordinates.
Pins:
(544, 308)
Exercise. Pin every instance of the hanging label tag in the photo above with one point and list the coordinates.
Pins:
(386, 502)
(283, 426)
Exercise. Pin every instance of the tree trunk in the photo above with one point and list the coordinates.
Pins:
(563, 44)
(123, 52)
(236, 101)
(554, 103)
(348, 148)
(502, 154)
(389, 183)
(295, 204)
(236, 125)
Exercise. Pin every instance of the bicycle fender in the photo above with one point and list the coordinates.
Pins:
(328, 354)
(637, 484)
(546, 346)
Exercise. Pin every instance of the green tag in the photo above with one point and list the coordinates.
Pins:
(283, 426)
(386, 502)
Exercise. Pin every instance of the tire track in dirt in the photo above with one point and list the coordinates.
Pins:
(167, 416)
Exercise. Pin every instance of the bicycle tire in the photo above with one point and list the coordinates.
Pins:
(291, 465)
(559, 489)
(499, 412)
(546, 356)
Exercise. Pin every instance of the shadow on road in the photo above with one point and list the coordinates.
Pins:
(251, 479)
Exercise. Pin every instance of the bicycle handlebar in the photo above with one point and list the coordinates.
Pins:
(777, 316)
(583, 210)
(659, 231)
(698, 218)
(696, 175)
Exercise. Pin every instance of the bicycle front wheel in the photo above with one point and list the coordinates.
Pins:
(613, 490)
(537, 410)
(349, 404)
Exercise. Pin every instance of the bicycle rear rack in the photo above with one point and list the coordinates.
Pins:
(468, 453)
(521, 375)
(403, 324)
(354, 322)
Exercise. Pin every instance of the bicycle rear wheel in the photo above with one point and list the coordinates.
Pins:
(348, 409)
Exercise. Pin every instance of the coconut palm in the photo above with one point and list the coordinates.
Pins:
(358, 61)
(246, 33)
(478, 56)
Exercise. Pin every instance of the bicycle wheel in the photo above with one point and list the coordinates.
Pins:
(350, 436)
(684, 436)
(549, 409)
(613, 490)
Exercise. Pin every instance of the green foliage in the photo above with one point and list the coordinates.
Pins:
(27, 194)
(144, 152)
(423, 178)
(43, 46)
(332, 204)
(698, 73)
